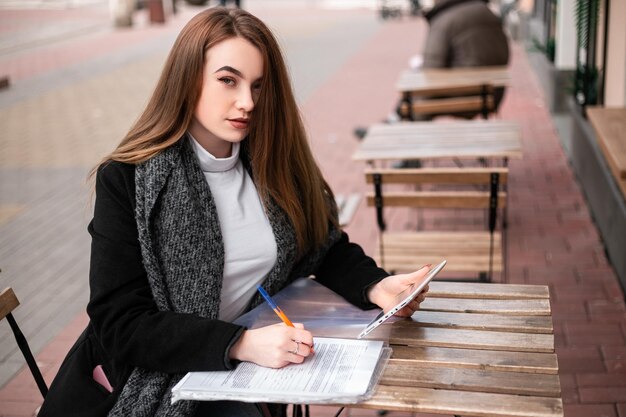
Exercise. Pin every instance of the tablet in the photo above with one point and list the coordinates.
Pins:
(403, 300)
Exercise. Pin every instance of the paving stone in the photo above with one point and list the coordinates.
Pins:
(18, 409)
(579, 359)
(602, 395)
(569, 389)
(589, 410)
(600, 380)
(585, 333)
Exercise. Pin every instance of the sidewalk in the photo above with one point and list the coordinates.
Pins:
(72, 99)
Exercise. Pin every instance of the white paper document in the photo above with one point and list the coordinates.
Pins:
(341, 370)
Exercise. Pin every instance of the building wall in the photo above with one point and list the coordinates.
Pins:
(565, 54)
(615, 88)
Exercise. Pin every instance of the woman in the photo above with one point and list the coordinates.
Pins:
(213, 191)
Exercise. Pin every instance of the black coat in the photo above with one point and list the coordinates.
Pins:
(127, 330)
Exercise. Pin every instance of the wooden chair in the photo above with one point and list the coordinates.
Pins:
(8, 303)
(478, 252)
(464, 101)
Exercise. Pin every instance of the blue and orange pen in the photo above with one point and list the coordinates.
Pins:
(277, 310)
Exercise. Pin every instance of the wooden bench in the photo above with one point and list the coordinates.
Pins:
(347, 206)
(477, 252)
(610, 127)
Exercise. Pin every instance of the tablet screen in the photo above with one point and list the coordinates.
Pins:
(404, 298)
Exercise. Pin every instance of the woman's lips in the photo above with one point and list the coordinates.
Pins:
(239, 123)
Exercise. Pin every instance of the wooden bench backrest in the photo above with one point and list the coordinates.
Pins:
(453, 99)
(453, 105)
(474, 199)
(455, 91)
(417, 176)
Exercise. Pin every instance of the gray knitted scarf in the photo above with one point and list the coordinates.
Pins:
(183, 254)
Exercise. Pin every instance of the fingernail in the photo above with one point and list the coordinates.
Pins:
(426, 266)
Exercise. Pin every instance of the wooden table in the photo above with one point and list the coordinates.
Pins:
(474, 350)
(451, 81)
(428, 140)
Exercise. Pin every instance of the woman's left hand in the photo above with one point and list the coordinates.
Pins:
(385, 293)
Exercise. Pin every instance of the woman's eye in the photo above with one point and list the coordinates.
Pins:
(227, 80)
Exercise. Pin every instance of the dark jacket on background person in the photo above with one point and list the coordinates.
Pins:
(465, 33)
(155, 282)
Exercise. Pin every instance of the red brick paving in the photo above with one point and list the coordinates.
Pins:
(552, 238)
(75, 49)
(21, 397)
(589, 410)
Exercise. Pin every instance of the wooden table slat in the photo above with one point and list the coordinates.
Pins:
(471, 339)
(491, 138)
(408, 239)
(487, 291)
(476, 380)
(452, 128)
(427, 81)
(468, 404)
(516, 324)
(531, 307)
(444, 137)
(534, 363)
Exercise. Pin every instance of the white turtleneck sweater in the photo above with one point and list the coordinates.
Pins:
(249, 244)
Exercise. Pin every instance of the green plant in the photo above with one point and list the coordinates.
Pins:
(586, 83)
(586, 88)
(586, 15)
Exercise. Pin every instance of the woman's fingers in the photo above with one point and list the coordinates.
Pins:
(274, 346)
(299, 344)
(303, 336)
(299, 352)
(415, 276)
(411, 307)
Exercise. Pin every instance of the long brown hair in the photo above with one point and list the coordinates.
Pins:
(282, 163)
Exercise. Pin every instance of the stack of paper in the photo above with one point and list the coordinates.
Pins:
(341, 370)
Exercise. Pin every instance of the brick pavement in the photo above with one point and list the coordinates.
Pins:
(552, 238)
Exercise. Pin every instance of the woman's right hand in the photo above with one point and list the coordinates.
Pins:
(273, 346)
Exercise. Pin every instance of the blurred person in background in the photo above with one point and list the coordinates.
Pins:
(213, 190)
(464, 33)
